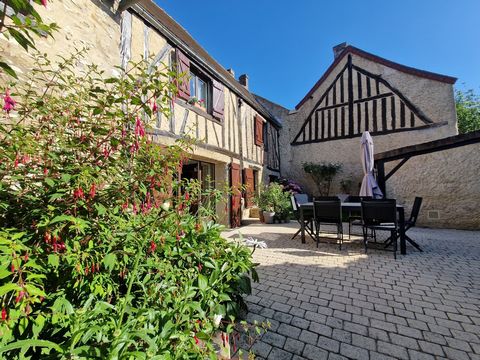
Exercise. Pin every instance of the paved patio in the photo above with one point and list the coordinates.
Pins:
(329, 304)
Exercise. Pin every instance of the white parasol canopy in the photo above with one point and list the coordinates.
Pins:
(369, 184)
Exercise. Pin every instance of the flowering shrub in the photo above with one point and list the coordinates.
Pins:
(100, 255)
(290, 186)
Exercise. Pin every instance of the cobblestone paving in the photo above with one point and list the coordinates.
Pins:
(329, 304)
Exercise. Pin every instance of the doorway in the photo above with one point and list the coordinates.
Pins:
(204, 173)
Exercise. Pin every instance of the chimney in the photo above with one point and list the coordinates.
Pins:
(243, 80)
(232, 72)
(337, 50)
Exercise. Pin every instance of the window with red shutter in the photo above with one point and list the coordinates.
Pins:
(183, 68)
(258, 130)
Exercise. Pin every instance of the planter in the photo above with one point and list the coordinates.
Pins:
(269, 216)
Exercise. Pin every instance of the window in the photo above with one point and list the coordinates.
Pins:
(199, 91)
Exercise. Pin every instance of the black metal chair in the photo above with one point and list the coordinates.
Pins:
(355, 218)
(325, 198)
(307, 217)
(328, 212)
(411, 222)
(380, 215)
(301, 198)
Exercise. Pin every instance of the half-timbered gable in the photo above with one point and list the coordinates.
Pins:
(398, 105)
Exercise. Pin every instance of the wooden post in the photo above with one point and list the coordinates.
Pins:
(380, 166)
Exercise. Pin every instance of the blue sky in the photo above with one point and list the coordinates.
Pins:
(285, 46)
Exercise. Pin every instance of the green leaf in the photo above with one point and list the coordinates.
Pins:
(202, 282)
(4, 273)
(20, 38)
(50, 182)
(53, 260)
(30, 343)
(9, 287)
(109, 261)
(8, 70)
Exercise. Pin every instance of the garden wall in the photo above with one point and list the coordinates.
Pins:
(449, 183)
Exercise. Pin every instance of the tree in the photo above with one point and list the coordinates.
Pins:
(467, 103)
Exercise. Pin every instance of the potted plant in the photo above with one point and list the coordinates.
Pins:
(274, 203)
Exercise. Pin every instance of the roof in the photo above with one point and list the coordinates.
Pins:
(277, 111)
(180, 37)
(429, 147)
(366, 55)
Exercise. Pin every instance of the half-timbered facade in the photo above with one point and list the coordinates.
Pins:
(233, 131)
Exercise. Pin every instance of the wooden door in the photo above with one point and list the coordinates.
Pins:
(249, 182)
(236, 197)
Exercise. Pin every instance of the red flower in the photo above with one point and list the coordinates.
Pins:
(139, 128)
(154, 106)
(12, 268)
(20, 295)
(78, 193)
(45, 171)
(187, 196)
(4, 314)
(44, 3)
(153, 246)
(92, 191)
(9, 103)
(196, 339)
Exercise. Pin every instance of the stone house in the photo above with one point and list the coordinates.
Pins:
(247, 139)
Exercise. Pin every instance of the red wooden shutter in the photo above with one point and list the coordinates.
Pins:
(218, 100)
(249, 186)
(183, 68)
(236, 197)
(258, 130)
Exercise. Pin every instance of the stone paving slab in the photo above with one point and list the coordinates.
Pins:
(329, 304)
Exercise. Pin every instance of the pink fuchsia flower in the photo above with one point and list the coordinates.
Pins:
(78, 193)
(44, 3)
(154, 106)
(153, 246)
(92, 191)
(139, 128)
(9, 103)
(4, 314)
(20, 296)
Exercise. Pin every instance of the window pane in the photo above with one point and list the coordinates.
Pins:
(202, 92)
(193, 89)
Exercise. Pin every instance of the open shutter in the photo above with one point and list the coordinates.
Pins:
(183, 68)
(258, 130)
(249, 183)
(218, 100)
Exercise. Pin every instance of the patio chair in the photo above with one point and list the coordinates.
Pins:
(307, 218)
(355, 217)
(301, 198)
(328, 212)
(411, 222)
(380, 215)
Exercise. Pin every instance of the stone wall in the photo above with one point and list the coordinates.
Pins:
(449, 183)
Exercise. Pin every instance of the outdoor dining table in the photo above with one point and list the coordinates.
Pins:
(356, 206)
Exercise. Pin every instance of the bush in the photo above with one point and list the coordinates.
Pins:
(322, 174)
(274, 199)
(100, 256)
